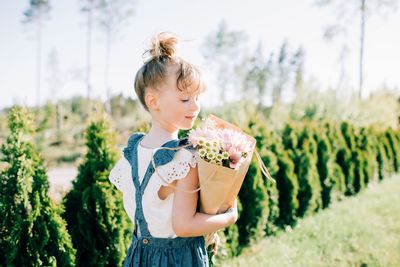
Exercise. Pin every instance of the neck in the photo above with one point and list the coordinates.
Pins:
(158, 135)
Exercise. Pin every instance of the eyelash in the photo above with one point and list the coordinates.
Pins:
(186, 100)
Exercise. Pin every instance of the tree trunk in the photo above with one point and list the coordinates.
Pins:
(88, 48)
(362, 36)
(38, 56)
(107, 67)
(58, 123)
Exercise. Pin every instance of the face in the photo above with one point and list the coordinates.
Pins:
(176, 109)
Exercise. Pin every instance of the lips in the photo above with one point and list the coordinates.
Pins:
(190, 117)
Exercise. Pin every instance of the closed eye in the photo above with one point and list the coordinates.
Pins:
(186, 100)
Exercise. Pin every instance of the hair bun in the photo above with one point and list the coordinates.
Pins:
(163, 45)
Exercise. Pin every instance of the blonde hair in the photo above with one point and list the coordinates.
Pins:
(155, 70)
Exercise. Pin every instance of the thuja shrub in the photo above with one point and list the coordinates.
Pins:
(254, 214)
(384, 164)
(271, 161)
(289, 136)
(359, 161)
(339, 187)
(229, 239)
(367, 143)
(347, 157)
(307, 134)
(358, 155)
(388, 153)
(266, 138)
(288, 187)
(395, 147)
(93, 208)
(309, 188)
(286, 178)
(337, 145)
(326, 166)
(309, 194)
(32, 231)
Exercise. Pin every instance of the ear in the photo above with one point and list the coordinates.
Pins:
(151, 100)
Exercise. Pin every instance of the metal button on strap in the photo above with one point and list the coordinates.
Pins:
(145, 241)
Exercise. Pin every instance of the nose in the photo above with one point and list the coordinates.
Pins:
(195, 106)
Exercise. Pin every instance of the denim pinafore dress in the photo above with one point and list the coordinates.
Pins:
(146, 250)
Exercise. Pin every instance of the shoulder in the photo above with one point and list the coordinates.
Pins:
(135, 136)
(178, 168)
(120, 174)
(128, 150)
(186, 156)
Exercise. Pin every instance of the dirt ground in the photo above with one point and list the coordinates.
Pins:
(60, 180)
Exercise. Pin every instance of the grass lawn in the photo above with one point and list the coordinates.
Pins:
(359, 231)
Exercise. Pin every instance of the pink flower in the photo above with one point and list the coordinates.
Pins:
(233, 142)
(234, 154)
(194, 136)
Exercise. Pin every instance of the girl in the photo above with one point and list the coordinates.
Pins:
(168, 230)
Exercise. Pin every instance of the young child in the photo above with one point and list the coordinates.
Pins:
(168, 229)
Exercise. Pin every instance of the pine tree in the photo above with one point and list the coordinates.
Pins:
(93, 208)
(32, 230)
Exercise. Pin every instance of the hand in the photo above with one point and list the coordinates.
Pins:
(233, 211)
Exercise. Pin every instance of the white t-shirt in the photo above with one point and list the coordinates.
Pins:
(157, 212)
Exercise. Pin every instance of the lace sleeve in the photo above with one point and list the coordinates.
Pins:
(178, 167)
(120, 174)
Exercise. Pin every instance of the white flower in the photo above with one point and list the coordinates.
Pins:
(201, 141)
(202, 152)
(225, 155)
(210, 155)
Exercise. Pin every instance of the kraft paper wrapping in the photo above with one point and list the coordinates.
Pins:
(218, 192)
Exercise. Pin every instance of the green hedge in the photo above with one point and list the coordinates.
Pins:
(314, 163)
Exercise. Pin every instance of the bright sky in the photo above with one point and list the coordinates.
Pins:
(298, 21)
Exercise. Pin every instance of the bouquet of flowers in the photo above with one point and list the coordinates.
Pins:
(223, 153)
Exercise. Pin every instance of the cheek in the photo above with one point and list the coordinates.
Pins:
(179, 110)
(175, 110)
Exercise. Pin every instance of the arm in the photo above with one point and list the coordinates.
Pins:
(186, 221)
